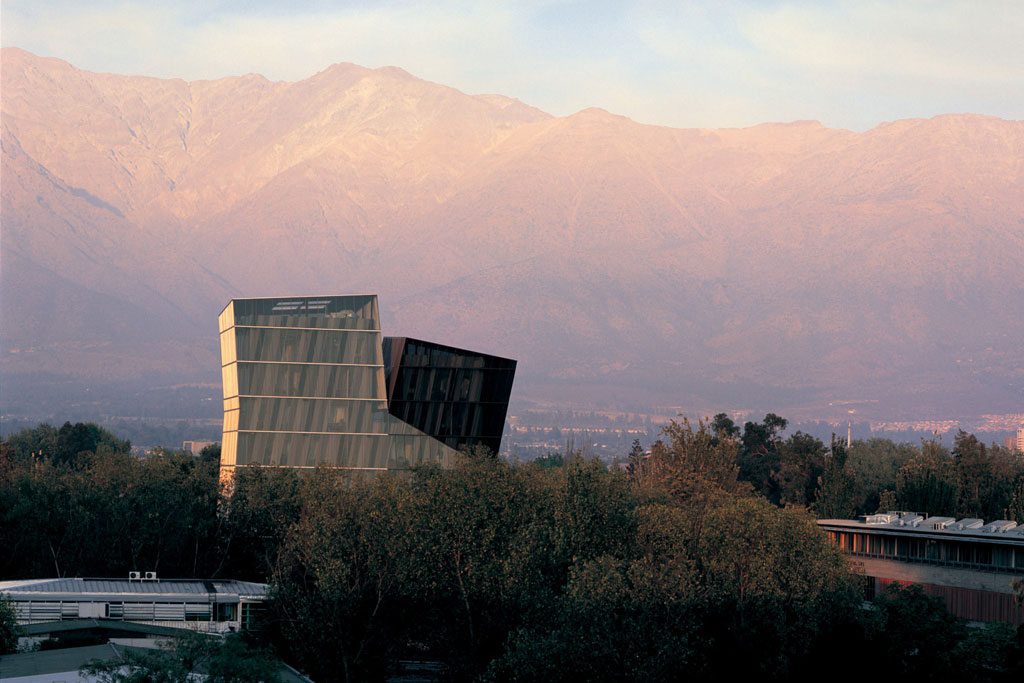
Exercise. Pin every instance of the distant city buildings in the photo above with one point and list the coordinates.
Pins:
(195, 447)
(307, 383)
(969, 564)
(1015, 443)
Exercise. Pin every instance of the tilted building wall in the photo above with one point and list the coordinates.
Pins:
(304, 385)
(459, 397)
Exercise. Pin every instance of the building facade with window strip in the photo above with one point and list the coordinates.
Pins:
(971, 565)
(213, 606)
(306, 384)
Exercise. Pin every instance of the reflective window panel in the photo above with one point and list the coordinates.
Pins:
(334, 312)
(314, 381)
(309, 450)
(307, 346)
(313, 415)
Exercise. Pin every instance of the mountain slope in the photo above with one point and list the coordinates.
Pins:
(781, 266)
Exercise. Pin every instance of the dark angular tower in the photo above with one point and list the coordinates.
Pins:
(456, 396)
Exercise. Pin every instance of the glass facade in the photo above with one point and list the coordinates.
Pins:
(305, 384)
(457, 396)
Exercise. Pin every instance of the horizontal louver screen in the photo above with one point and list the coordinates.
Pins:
(45, 611)
(197, 612)
(169, 611)
(138, 611)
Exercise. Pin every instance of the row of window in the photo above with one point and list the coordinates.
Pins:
(339, 312)
(57, 610)
(402, 447)
(457, 420)
(300, 346)
(444, 384)
(308, 381)
(947, 551)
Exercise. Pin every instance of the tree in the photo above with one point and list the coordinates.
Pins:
(337, 568)
(802, 461)
(835, 490)
(759, 457)
(73, 440)
(210, 453)
(740, 597)
(928, 483)
(723, 427)
(1015, 508)
(875, 464)
(985, 477)
(264, 503)
(9, 629)
(553, 459)
(928, 635)
(636, 462)
(192, 655)
(38, 442)
(63, 446)
(693, 465)
(748, 548)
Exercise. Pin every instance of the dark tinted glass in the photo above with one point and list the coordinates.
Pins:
(335, 312)
(327, 381)
(310, 450)
(313, 415)
(307, 346)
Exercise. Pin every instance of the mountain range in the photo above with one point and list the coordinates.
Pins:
(787, 267)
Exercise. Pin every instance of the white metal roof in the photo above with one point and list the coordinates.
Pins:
(123, 588)
(999, 531)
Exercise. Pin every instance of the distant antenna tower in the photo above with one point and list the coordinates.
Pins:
(848, 426)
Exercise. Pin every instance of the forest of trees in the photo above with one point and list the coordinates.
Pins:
(700, 560)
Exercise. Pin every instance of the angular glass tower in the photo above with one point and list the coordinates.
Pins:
(304, 385)
(457, 396)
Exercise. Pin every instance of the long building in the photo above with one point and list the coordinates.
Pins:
(215, 606)
(971, 565)
(305, 384)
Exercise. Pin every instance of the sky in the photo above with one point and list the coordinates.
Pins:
(685, 64)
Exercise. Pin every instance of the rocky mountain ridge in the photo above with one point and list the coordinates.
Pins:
(783, 265)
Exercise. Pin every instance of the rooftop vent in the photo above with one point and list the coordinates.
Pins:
(970, 523)
(999, 526)
(938, 522)
(877, 518)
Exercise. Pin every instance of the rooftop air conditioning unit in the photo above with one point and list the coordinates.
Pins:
(150, 576)
(135, 576)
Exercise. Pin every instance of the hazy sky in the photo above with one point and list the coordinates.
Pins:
(710, 64)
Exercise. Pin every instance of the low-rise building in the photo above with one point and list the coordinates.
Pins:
(971, 565)
(215, 606)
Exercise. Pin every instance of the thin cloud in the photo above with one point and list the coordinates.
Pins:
(683, 64)
(940, 42)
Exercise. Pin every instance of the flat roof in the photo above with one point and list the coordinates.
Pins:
(107, 625)
(68, 660)
(907, 523)
(119, 589)
(64, 660)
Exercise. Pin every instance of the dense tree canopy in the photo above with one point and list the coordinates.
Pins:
(699, 560)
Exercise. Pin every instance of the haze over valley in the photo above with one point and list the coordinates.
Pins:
(786, 267)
